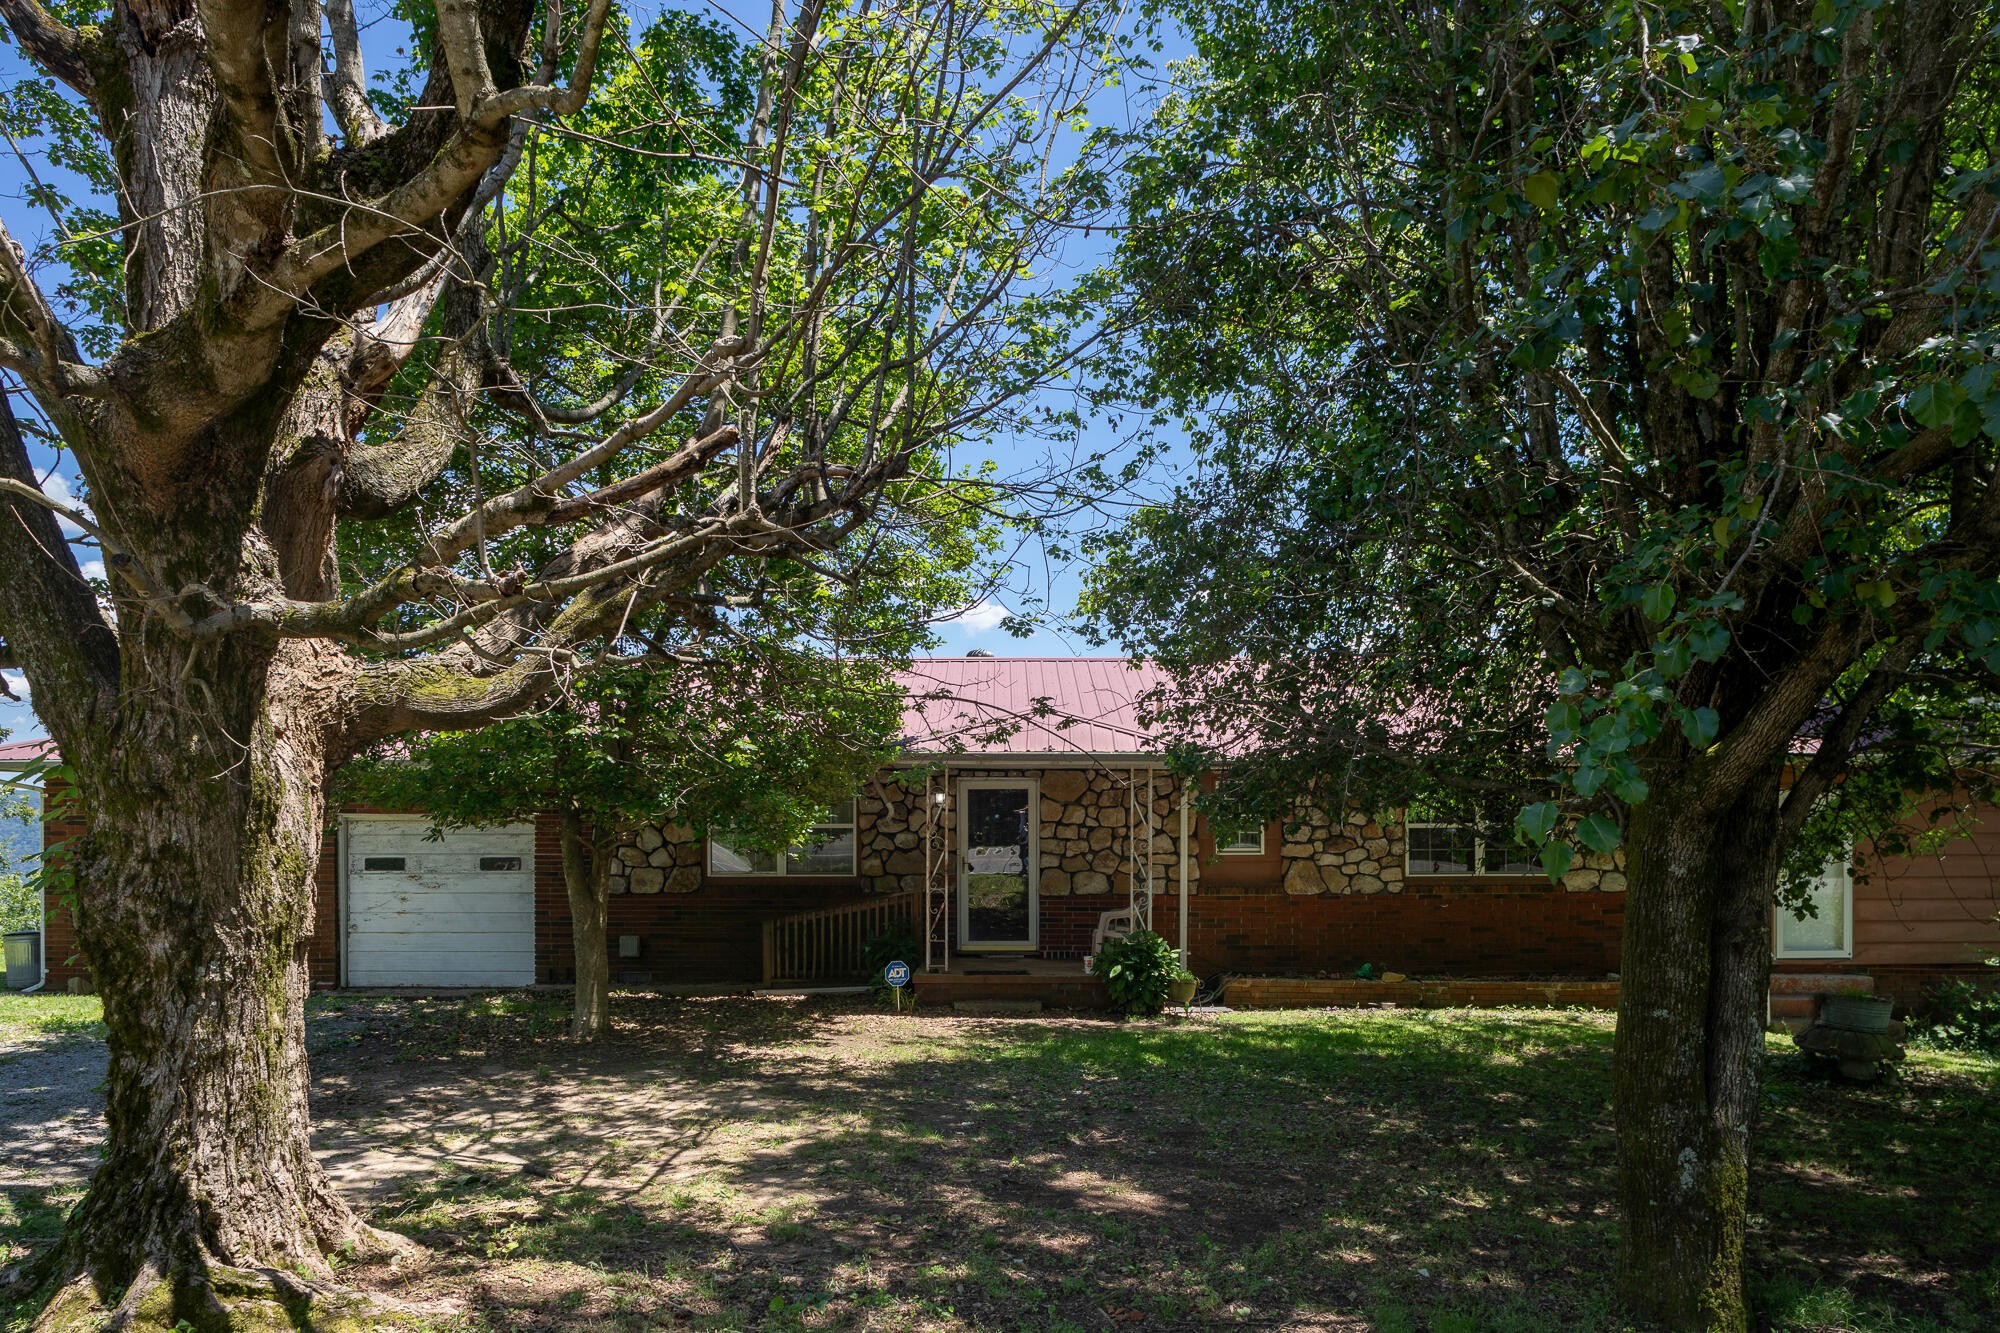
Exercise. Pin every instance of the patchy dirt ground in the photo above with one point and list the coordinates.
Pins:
(768, 1164)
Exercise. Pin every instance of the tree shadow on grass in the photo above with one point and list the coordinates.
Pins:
(836, 1169)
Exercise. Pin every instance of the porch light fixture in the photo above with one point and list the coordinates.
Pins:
(937, 798)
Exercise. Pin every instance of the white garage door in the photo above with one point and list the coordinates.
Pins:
(455, 912)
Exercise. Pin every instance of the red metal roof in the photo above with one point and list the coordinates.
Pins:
(22, 752)
(1044, 706)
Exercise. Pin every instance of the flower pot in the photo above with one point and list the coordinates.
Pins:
(1857, 1013)
(1182, 992)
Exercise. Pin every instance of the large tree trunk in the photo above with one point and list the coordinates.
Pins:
(1690, 1041)
(195, 910)
(587, 875)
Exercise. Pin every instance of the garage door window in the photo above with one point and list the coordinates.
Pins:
(383, 863)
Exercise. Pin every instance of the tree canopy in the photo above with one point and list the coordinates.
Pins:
(1594, 412)
(402, 399)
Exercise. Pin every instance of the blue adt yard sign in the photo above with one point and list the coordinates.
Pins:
(897, 974)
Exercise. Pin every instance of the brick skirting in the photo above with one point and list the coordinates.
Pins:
(1310, 993)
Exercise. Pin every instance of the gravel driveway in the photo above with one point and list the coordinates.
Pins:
(51, 1109)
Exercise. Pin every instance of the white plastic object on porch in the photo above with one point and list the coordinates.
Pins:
(1113, 925)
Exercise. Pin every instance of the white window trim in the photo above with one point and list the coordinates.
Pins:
(1479, 843)
(1258, 850)
(1842, 871)
(782, 868)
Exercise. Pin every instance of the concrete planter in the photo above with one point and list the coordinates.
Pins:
(1857, 1013)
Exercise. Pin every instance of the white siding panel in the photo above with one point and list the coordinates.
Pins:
(439, 920)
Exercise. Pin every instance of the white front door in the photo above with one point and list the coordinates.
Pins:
(459, 911)
(997, 824)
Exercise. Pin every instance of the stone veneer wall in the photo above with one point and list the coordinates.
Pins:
(1365, 853)
(1357, 855)
(1082, 821)
(659, 858)
(1082, 826)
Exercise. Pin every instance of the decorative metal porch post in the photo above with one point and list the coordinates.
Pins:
(937, 871)
(1139, 880)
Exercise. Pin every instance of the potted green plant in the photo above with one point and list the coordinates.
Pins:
(1138, 972)
(1853, 1009)
(1181, 987)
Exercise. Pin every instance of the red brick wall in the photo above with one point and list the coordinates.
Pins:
(323, 948)
(58, 927)
(1905, 983)
(711, 936)
(1493, 929)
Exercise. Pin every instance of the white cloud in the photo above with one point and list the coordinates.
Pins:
(18, 683)
(93, 569)
(57, 489)
(982, 617)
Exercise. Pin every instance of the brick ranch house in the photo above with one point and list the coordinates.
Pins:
(1030, 806)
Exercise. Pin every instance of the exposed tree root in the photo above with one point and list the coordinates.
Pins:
(213, 1297)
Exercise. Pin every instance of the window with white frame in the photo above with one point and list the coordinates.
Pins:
(1245, 844)
(827, 849)
(1466, 849)
(1827, 930)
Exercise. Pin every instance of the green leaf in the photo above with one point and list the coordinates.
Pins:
(1599, 833)
(1542, 190)
(1565, 720)
(1934, 405)
(1709, 641)
(1671, 658)
(1657, 602)
(1662, 216)
(1700, 725)
(1536, 821)
(1702, 383)
(1556, 858)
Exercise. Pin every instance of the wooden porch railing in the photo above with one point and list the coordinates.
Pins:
(825, 945)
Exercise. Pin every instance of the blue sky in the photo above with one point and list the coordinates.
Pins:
(1035, 579)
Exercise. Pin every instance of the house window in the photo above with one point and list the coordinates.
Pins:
(1829, 931)
(827, 849)
(1245, 844)
(1466, 849)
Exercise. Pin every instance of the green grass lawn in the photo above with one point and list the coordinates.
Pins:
(738, 1164)
(38, 1017)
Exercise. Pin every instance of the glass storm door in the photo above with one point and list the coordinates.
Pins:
(996, 866)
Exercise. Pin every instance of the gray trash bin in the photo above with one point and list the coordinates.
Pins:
(24, 958)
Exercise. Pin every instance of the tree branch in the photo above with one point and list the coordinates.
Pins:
(53, 45)
(347, 82)
(48, 613)
(1836, 747)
